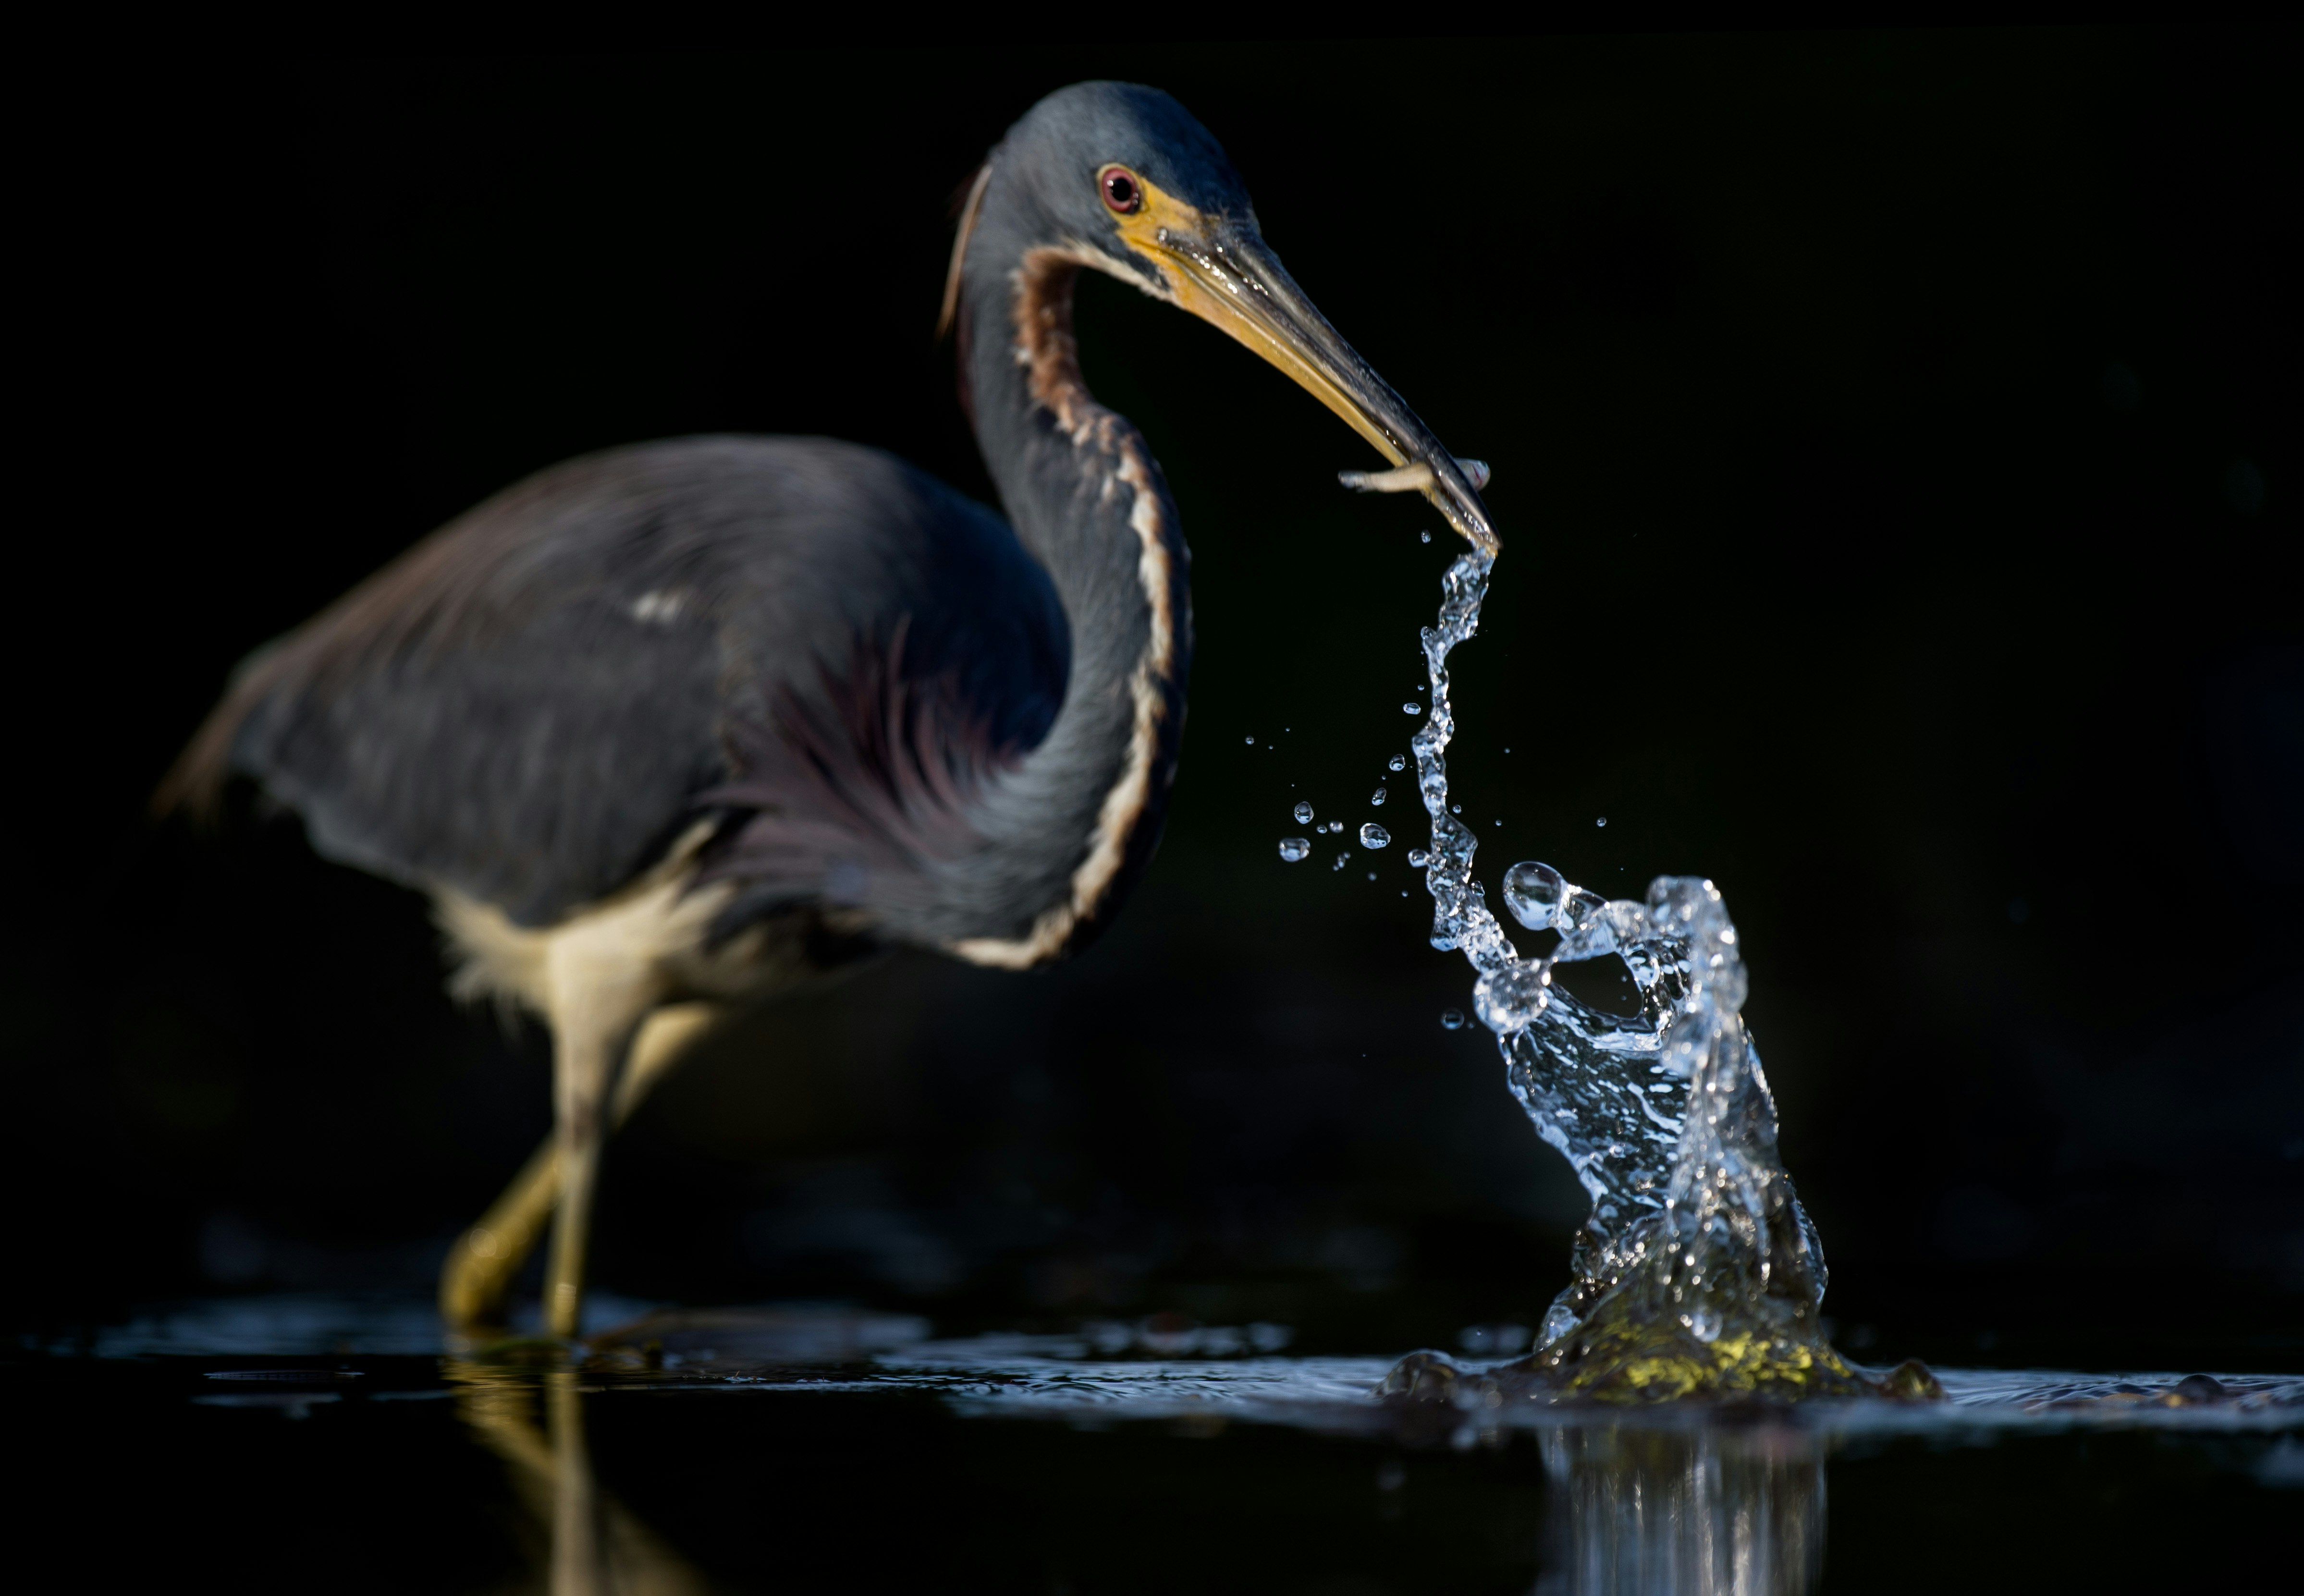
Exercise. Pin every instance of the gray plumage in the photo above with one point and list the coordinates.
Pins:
(883, 697)
(530, 706)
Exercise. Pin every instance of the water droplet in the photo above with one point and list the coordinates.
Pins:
(1396, 762)
(1455, 808)
(1342, 859)
(1335, 825)
(1417, 856)
(1411, 709)
(1425, 537)
(1534, 893)
(1371, 875)
(1251, 742)
(1602, 821)
(1373, 835)
(1377, 797)
(1303, 814)
(1451, 1019)
(1293, 849)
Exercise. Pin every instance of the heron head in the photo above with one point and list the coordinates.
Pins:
(1123, 179)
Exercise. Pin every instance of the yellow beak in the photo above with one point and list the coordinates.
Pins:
(1222, 272)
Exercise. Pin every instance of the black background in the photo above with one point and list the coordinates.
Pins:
(1895, 449)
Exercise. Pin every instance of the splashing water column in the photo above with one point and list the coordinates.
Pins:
(1698, 1272)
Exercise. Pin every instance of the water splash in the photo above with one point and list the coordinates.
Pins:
(1460, 917)
(1696, 1272)
(1698, 1269)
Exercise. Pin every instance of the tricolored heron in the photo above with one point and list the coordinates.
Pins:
(668, 729)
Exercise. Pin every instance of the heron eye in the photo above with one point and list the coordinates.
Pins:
(1121, 192)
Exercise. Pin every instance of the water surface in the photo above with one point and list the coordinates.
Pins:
(309, 1442)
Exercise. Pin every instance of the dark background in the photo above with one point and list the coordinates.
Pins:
(1895, 440)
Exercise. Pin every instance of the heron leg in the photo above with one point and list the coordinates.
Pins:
(480, 1266)
(665, 1037)
(585, 1056)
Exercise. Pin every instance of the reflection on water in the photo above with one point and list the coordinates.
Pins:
(1708, 1501)
(1634, 1510)
(1630, 1509)
(586, 1540)
(1692, 1497)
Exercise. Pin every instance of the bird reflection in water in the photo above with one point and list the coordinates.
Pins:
(1698, 1511)
(591, 1543)
(1630, 1508)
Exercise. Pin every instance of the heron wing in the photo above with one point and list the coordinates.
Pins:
(810, 640)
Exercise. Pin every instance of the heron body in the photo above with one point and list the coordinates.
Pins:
(666, 730)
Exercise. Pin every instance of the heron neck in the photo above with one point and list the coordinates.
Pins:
(1062, 462)
(1086, 499)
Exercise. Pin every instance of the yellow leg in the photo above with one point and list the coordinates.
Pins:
(665, 1039)
(583, 1068)
(482, 1263)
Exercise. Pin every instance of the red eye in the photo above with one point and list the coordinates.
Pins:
(1120, 189)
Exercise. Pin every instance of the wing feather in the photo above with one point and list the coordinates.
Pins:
(813, 641)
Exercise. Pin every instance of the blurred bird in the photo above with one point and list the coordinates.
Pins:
(666, 730)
